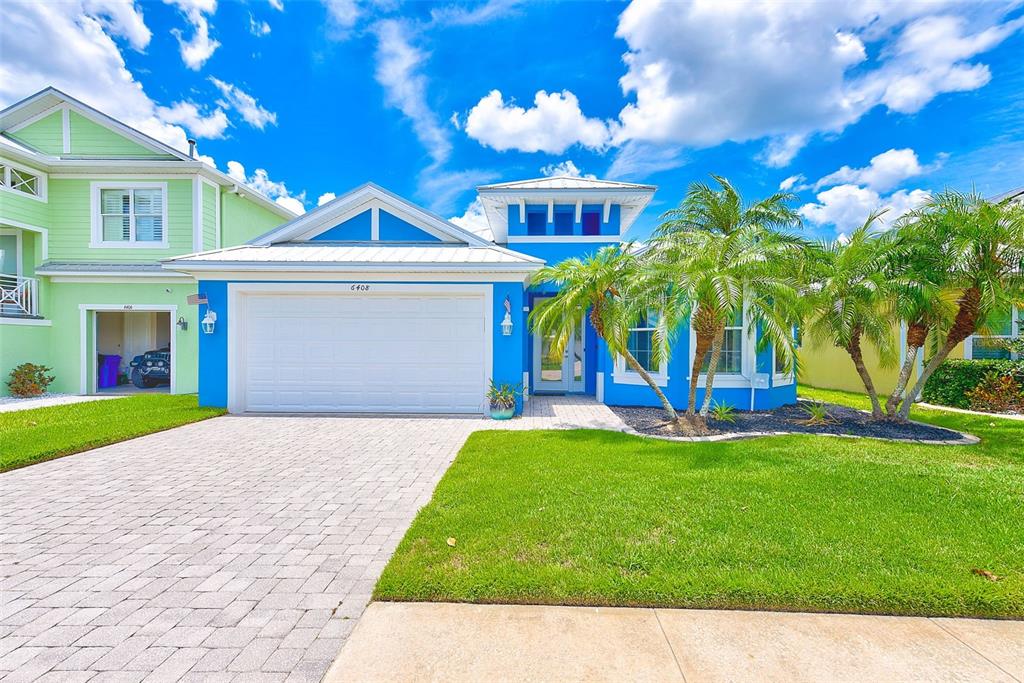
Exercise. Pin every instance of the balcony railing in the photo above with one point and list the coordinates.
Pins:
(19, 296)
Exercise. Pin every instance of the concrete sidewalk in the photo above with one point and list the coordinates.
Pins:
(455, 642)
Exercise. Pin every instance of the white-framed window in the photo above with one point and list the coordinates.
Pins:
(641, 345)
(22, 180)
(730, 361)
(1000, 327)
(129, 215)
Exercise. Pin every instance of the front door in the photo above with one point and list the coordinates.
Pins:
(558, 374)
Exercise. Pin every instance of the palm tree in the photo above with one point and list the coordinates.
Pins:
(848, 293)
(981, 246)
(715, 252)
(611, 289)
(713, 275)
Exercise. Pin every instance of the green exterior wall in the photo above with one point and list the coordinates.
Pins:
(242, 220)
(71, 210)
(46, 134)
(210, 194)
(22, 208)
(23, 344)
(92, 139)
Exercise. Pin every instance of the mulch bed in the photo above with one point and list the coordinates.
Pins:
(792, 418)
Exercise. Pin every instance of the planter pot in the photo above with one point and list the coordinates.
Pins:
(499, 413)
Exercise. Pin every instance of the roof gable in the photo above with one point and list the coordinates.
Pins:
(391, 218)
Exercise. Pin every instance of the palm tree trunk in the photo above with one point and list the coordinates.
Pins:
(917, 333)
(709, 380)
(853, 348)
(639, 369)
(964, 326)
(701, 346)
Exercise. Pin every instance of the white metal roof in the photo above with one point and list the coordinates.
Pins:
(564, 182)
(342, 256)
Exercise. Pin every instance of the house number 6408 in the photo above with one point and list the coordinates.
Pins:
(360, 288)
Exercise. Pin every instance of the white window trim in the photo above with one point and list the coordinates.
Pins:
(623, 374)
(97, 242)
(729, 380)
(1015, 331)
(41, 184)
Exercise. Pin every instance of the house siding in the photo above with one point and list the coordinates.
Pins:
(210, 195)
(92, 139)
(242, 220)
(46, 134)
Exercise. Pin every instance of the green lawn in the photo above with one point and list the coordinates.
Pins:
(31, 436)
(793, 523)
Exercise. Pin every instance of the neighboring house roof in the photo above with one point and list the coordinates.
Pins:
(51, 99)
(360, 199)
(564, 182)
(94, 268)
(357, 256)
(1012, 195)
(496, 198)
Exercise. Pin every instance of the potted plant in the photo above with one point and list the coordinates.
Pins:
(502, 398)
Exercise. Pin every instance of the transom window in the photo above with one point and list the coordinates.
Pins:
(22, 180)
(730, 361)
(132, 215)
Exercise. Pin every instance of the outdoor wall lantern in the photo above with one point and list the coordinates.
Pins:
(182, 324)
(209, 321)
(506, 324)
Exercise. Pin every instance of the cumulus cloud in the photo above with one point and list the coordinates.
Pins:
(405, 86)
(276, 4)
(196, 50)
(885, 171)
(245, 104)
(325, 197)
(89, 65)
(261, 182)
(474, 220)
(553, 124)
(846, 207)
(195, 122)
(565, 168)
(791, 182)
(342, 16)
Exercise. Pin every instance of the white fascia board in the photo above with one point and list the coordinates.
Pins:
(344, 275)
(148, 275)
(330, 267)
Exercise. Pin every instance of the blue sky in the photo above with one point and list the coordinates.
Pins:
(851, 105)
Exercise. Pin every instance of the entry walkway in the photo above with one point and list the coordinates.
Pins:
(453, 642)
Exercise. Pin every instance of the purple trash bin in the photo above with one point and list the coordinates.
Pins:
(109, 366)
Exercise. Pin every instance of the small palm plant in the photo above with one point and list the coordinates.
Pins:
(723, 412)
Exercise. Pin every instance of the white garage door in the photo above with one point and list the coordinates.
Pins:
(363, 353)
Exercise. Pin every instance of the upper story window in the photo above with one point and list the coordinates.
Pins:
(730, 362)
(21, 180)
(129, 215)
(591, 222)
(563, 223)
(536, 223)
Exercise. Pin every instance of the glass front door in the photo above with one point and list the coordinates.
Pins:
(562, 373)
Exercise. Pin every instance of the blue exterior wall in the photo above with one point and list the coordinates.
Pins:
(517, 222)
(391, 228)
(213, 348)
(355, 229)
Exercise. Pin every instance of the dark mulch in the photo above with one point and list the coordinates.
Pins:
(792, 418)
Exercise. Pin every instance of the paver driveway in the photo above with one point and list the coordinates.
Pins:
(239, 547)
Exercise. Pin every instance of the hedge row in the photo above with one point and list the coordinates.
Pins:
(949, 384)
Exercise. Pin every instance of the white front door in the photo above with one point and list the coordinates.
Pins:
(387, 352)
(558, 374)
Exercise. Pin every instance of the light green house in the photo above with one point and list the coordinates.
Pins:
(88, 208)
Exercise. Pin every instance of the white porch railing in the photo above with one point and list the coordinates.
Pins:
(19, 296)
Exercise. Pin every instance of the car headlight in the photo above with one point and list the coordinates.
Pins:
(149, 363)
(159, 363)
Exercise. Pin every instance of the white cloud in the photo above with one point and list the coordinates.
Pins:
(325, 197)
(441, 189)
(792, 69)
(553, 124)
(89, 65)
(565, 168)
(885, 171)
(641, 159)
(458, 15)
(276, 4)
(261, 182)
(200, 125)
(791, 182)
(474, 220)
(245, 104)
(342, 16)
(200, 47)
(257, 27)
(846, 207)
(405, 88)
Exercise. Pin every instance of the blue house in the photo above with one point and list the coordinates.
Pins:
(373, 304)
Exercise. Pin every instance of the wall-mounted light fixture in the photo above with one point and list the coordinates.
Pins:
(506, 324)
(209, 321)
(182, 324)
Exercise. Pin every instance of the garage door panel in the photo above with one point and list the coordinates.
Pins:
(393, 353)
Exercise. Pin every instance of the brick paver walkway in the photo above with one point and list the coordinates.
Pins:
(239, 547)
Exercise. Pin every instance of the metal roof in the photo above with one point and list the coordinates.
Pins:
(1017, 194)
(564, 182)
(364, 254)
(62, 267)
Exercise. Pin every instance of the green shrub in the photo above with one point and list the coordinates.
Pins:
(997, 394)
(953, 380)
(29, 380)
